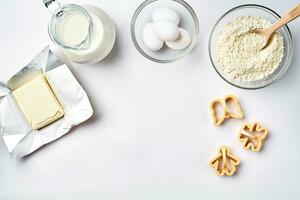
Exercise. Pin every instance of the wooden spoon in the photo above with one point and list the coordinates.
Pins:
(268, 32)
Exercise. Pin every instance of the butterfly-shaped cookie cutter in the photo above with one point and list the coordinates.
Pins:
(252, 135)
(227, 113)
(225, 163)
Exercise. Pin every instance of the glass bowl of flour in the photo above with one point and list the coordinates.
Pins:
(236, 51)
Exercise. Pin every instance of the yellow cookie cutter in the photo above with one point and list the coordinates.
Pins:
(252, 136)
(225, 163)
(227, 113)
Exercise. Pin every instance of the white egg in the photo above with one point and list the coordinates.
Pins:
(166, 13)
(150, 38)
(183, 40)
(166, 30)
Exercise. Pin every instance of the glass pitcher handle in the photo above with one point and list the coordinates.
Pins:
(52, 5)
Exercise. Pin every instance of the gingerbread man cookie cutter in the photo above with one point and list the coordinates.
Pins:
(252, 135)
(224, 163)
(230, 109)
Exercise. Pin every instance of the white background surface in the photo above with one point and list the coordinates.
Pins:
(152, 136)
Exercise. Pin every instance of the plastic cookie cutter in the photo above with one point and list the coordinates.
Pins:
(225, 163)
(252, 136)
(222, 109)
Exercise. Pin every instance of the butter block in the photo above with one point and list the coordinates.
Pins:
(38, 102)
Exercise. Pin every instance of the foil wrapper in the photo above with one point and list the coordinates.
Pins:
(18, 135)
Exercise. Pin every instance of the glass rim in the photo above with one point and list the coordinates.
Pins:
(59, 42)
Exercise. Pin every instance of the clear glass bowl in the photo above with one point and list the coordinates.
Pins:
(266, 13)
(142, 16)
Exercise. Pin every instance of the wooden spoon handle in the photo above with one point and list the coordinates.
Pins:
(295, 12)
(291, 15)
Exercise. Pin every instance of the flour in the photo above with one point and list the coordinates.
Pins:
(238, 50)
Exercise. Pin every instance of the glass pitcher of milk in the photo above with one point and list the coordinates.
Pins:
(85, 34)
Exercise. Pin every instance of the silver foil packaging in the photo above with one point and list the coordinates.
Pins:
(20, 138)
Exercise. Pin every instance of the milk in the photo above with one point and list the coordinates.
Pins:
(74, 23)
(74, 30)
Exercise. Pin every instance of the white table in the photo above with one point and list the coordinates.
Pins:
(152, 136)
